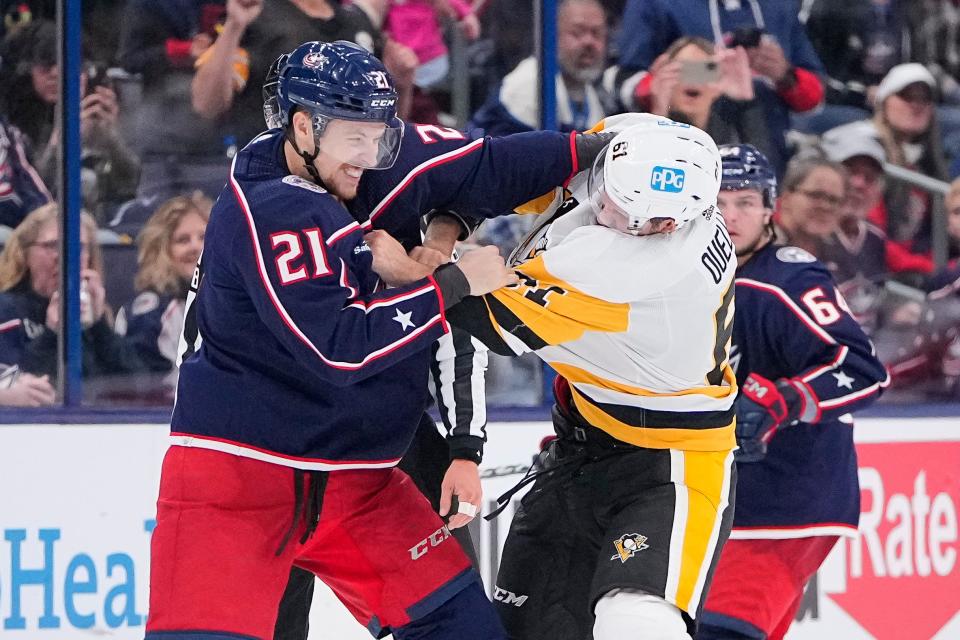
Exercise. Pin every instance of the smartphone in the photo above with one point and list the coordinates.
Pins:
(98, 76)
(699, 72)
(746, 37)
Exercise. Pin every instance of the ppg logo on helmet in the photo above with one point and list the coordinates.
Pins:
(667, 179)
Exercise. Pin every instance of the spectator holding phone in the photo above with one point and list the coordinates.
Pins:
(780, 54)
(713, 91)
(30, 300)
(110, 169)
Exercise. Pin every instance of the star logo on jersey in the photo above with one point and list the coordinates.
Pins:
(843, 380)
(404, 319)
(628, 545)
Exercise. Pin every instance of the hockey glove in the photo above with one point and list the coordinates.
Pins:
(590, 145)
(763, 407)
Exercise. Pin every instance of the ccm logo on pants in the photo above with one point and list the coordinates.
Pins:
(434, 539)
(508, 597)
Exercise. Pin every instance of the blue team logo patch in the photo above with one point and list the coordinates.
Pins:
(668, 179)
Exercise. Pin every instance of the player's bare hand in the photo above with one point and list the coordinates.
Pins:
(28, 391)
(391, 262)
(486, 271)
(462, 480)
(430, 258)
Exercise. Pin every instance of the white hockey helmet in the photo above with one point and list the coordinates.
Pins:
(656, 169)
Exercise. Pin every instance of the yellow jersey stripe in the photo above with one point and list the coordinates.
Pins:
(653, 437)
(553, 310)
(575, 374)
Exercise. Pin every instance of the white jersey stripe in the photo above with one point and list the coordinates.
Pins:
(416, 171)
(788, 301)
(714, 535)
(841, 356)
(789, 533)
(244, 451)
(680, 509)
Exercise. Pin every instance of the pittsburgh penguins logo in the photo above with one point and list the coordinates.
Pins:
(628, 545)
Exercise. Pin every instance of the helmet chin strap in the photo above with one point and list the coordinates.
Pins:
(307, 158)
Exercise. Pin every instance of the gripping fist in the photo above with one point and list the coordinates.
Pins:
(762, 408)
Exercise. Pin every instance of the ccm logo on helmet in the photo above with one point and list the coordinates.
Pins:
(667, 179)
(382, 103)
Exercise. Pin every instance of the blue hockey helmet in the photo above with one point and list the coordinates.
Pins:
(271, 103)
(743, 166)
(336, 81)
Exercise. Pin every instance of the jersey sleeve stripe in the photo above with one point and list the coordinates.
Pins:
(443, 304)
(841, 356)
(386, 302)
(339, 234)
(790, 304)
(285, 316)
(345, 281)
(833, 403)
(416, 171)
(573, 158)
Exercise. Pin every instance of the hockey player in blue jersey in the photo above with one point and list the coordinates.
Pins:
(298, 397)
(803, 365)
(443, 167)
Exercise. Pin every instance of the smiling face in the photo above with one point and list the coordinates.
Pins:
(345, 147)
(186, 244)
(910, 110)
(813, 206)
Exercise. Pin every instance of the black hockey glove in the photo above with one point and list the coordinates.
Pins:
(590, 145)
(763, 407)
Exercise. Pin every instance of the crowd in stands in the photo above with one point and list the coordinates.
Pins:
(832, 92)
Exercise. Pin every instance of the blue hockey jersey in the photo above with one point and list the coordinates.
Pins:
(301, 362)
(790, 322)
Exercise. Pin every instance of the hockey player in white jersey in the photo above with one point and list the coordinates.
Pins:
(627, 292)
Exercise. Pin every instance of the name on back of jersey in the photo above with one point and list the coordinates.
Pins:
(718, 254)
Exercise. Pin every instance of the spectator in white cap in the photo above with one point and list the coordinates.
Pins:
(905, 124)
(859, 248)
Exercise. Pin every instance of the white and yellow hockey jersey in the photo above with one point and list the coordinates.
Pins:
(639, 326)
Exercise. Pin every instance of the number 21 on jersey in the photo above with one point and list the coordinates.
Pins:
(290, 266)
